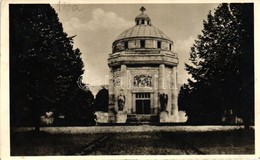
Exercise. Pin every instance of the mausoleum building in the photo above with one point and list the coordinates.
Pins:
(143, 74)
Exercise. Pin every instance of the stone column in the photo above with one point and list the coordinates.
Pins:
(174, 88)
(161, 82)
(124, 85)
(112, 99)
(123, 76)
(161, 78)
(133, 104)
(155, 102)
(111, 89)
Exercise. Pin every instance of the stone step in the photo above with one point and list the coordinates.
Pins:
(136, 118)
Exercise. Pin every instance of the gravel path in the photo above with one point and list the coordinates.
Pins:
(126, 129)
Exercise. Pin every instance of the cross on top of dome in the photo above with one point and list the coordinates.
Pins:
(142, 19)
(142, 9)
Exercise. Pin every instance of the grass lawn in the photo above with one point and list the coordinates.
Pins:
(41, 144)
(132, 140)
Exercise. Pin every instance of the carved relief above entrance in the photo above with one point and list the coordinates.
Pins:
(142, 81)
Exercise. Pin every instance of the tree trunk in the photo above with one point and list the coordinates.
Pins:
(246, 123)
(37, 123)
(36, 115)
(37, 128)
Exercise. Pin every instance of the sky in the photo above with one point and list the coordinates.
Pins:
(96, 26)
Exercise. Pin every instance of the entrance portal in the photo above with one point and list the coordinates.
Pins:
(143, 103)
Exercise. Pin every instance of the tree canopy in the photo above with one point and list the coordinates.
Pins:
(102, 100)
(44, 66)
(222, 66)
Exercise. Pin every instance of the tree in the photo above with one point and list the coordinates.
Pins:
(222, 65)
(102, 100)
(245, 39)
(81, 110)
(44, 67)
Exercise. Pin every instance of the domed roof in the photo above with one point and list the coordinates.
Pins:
(143, 28)
(142, 31)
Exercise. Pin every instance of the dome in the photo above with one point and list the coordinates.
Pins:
(142, 31)
(142, 36)
(143, 28)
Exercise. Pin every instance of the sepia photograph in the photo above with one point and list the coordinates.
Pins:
(131, 79)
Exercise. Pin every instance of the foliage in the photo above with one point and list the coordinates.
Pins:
(222, 67)
(101, 102)
(44, 67)
(81, 110)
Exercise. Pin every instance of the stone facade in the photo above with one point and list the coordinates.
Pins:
(143, 73)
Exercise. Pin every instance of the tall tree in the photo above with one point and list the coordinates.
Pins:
(44, 67)
(244, 15)
(222, 65)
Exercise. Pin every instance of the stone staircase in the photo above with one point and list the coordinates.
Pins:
(142, 118)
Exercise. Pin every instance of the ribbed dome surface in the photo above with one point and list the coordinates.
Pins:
(142, 31)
